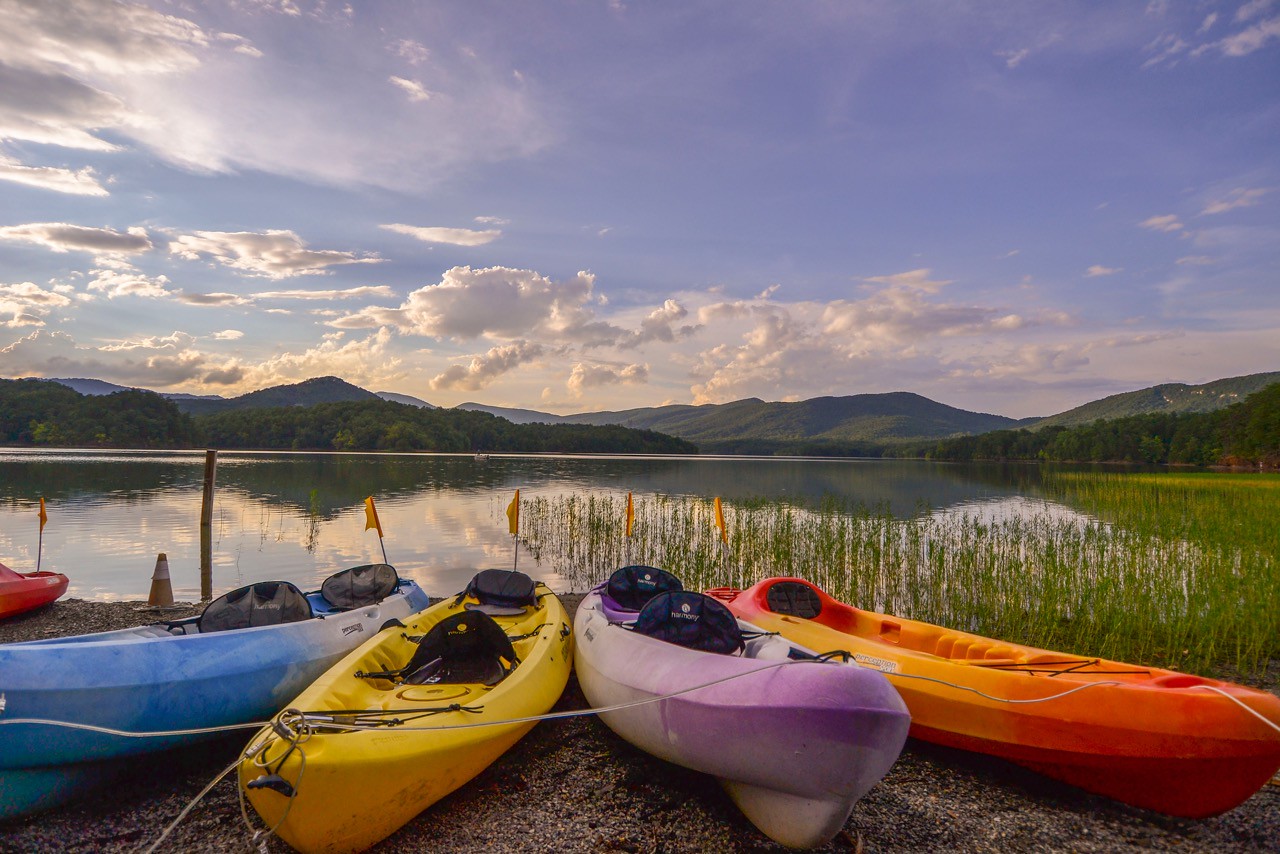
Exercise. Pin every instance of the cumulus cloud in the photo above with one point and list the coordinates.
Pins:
(660, 325)
(156, 362)
(27, 304)
(903, 311)
(118, 283)
(64, 237)
(1099, 270)
(1163, 222)
(1240, 197)
(270, 254)
(451, 236)
(228, 335)
(83, 182)
(498, 302)
(584, 377)
(485, 368)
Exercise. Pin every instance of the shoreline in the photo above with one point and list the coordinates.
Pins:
(572, 785)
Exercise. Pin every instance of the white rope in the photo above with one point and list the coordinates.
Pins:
(188, 807)
(995, 699)
(124, 733)
(1239, 703)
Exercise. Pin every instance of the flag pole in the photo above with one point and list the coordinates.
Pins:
(44, 517)
(513, 524)
(371, 521)
(631, 515)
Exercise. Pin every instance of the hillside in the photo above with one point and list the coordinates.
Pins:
(520, 416)
(306, 393)
(854, 418)
(1167, 398)
(396, 397)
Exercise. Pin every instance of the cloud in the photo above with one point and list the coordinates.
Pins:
(492, 220)
(485, 368)
(413, 52)
(76, 183)
(1251, 10)
(1207, 24)
(1099, 270)
(498, 302)
(64, 237)
(1013, 58)
(1164, 222)
(157, 362)
(347, 293)
(117, 283)
(451, 236)
(27, 304)
(1246, 41)
(412, 88)
(270, 254)
(584, 377)
(1237, 198)
(660, 325)
(213, 299)
(1165, 50)
(1195, 260)
(228, 335)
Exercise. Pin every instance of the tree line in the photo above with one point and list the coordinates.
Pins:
(1244, 434)
(49, 414)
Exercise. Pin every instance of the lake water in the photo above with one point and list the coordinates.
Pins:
(300, 517)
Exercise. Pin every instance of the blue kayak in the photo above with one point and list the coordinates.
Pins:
(250, 652)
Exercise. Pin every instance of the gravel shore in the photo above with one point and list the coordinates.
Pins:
(572, 785)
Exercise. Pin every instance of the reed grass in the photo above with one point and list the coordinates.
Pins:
(1179, 571)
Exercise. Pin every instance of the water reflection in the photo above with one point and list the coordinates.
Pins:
(300, 517)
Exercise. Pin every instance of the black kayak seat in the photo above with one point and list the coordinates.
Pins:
(465, 647)
(500, 592)
(633, 586)
(360, 586)
(265, 603)
(793, 599)
(692, 620)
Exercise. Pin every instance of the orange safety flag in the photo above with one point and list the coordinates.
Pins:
(44, 517)
(513, 514)
(631, 514)
(724, 535)
(371, 516)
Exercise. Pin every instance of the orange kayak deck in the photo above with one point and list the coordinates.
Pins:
(1172, 742)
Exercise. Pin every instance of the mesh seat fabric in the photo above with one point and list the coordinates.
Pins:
(360, 586)
(793, 599)
(692, 620)
(266, 603)
(633, 586)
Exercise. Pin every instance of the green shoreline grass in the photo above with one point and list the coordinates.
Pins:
(1176, 570)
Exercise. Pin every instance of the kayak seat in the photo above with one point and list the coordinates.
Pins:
(499, 592)
(266, 603)
(465, 647)
(633, 586)
(794, 599)
(360, 586)
(691, 620)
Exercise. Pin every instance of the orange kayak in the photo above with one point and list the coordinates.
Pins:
(1166, 741)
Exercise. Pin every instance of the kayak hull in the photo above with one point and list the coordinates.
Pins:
(1171, 742)
(794, 743)
(21, 592)
(144, 680)
(352, 788)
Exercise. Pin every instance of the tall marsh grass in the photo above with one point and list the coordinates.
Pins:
(1165, 569)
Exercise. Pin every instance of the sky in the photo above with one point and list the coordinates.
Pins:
(1012, 208)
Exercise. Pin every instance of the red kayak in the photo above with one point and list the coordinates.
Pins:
(23, 591)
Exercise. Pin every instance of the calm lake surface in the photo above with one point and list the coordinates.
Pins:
(300, 517)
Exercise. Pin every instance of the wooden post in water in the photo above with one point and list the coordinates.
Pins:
(206, 526)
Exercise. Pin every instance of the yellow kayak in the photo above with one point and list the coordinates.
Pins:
(411, 715)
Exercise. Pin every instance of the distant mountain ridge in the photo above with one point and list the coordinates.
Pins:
(769, 426)
(1169, 397)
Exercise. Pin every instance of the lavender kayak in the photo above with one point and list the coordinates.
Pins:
(794, 742)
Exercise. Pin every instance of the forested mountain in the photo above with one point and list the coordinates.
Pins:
(306, 393)
(1246, 433)
(38, 412)
(49, 414)
(383, 425)
(1167, 398)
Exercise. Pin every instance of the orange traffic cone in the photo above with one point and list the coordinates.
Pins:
(161, 587)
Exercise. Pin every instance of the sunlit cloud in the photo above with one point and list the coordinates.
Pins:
(450, 236)
(583, 377)
(346, 293)
(1237, 198)
(1098, 270)
(27, 304)
(116, 283)
(65, 237)
(415, 90)
(83, 182)
(487, 367)
(1164, 222)
(270, 254)
(213, 299)
(228, 335)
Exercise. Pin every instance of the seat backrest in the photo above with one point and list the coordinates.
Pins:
(266, 603)
(503, 589)
(794, 599)
(464, 647)
(692, 620)
(360, 586)
(633, 586)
